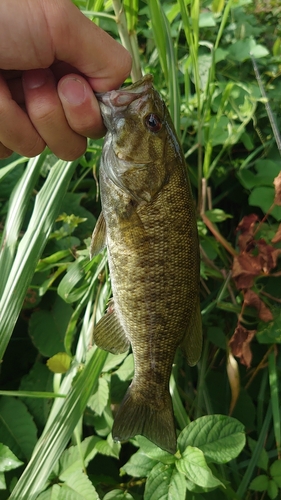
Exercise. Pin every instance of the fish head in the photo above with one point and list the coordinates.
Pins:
(140, 143)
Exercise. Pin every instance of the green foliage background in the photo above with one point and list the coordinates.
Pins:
(58, 394)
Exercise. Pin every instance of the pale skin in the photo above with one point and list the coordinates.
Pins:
(52, 60)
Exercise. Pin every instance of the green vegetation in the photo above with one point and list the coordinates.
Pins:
(58, 395)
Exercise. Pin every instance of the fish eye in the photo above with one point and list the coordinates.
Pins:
(153, 122)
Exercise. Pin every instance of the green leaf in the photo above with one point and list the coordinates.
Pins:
(270, 333)
(154, 452)
(263, 458)
(38, 379)
(113, 360)
(126, 370)
(99, 399)
(272, 489)
(217, 215)
(275, 472)
(263, 197)
(78, 487)
(8, 460)
(109, 447)
(118, 495)
(194, 466)
(17, 429)
(260, 483)
(2, 481)
(77, 457)
(139, 465)
(47, 328)
(51, 493)
(165, 483)
(221, 438)
(59, 363)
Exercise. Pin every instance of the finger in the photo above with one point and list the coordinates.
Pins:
(47, 115)
(80, 106)
(16, 130)
(4, 152)
(79, 42)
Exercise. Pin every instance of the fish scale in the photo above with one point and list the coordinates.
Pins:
(149, 227)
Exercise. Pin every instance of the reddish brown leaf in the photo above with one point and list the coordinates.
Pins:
(251, 299)
(268, 255)
(277, 236)
(277, 186)
(245, 268)
(240, 344)
(247, 228)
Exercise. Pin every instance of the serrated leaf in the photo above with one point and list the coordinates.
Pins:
(221, 438)
(126, 370)
(8, 460)
(17, 429)
(275, 471)
(263, 458)
(139, 465)
(99, 399)
(109, 447)
(52, 493)
(59, 363)
(47, 328)
(77, 457)
(194, 466)
(78, 487)
(165, 483)
(154, 452)
(118, 495)
(260, 483)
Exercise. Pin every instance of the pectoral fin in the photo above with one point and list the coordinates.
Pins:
(98, 242)
(109, 334)
(192, 341)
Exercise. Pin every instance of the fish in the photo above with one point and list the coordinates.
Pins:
(148, 225)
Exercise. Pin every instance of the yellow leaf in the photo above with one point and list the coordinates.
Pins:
(59, 363)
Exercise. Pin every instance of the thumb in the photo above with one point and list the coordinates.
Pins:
(81, 43)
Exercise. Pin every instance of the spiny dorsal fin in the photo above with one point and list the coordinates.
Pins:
(109, 334)
(192, 341)
(98, 242)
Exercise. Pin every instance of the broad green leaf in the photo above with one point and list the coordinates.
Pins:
(194, 466)
(165, 483)
(154, 452)
(118, 495)
(17, 429)
(8, 460)
(260, 483)
(114, 360)
(77, 457)
(221, 438)
(217, 215)
(272, 489)
(109, 447)
(38, 379)
(139, 465)
(78, 487)
(263, 197)
(52, 493)
(99, 399)
(47, 328)
(263, 458)
(275, 472)
(59, 363)
(126, 370)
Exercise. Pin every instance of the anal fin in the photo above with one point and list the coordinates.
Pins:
(192, 341)
(109, 333)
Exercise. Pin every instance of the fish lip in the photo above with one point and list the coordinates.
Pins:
(123, 97)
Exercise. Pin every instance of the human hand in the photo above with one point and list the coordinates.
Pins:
(52, 58)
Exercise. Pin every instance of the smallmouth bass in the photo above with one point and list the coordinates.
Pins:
(149, 227)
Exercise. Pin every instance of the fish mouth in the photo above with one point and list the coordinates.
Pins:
(125, 96)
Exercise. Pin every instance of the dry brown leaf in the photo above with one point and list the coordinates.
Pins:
(251, 299)
(268, 255)
(277, 186)
(245, 268)
(240, 344)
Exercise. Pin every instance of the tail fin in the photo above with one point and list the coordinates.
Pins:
(135, 417)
